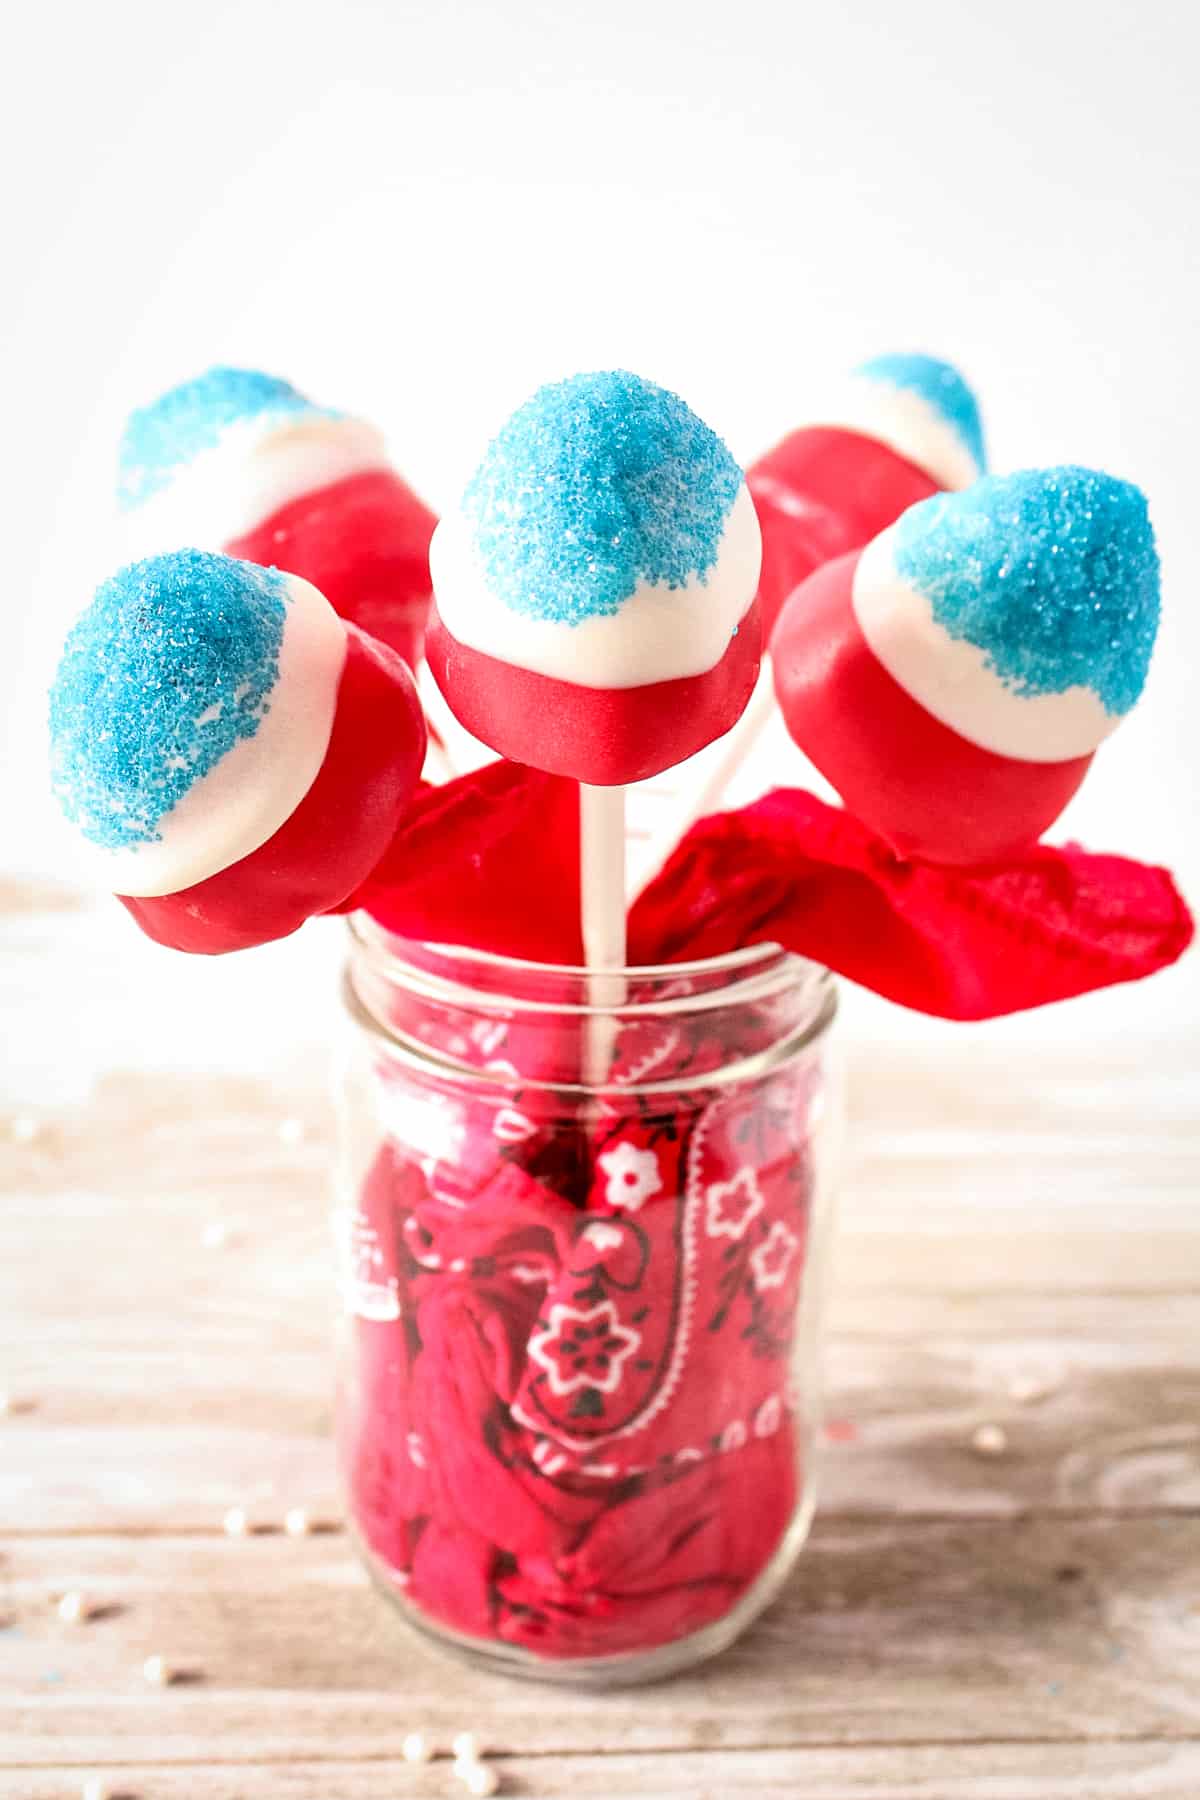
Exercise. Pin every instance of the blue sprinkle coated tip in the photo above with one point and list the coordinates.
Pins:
(162, 438)
(941, 385)
(1053, 573)
(169, 668)
(596, 485)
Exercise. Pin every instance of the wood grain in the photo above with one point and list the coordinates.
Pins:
(924, 1772)
(894, 1632)
(160, 1420)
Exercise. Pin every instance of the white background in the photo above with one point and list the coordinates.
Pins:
(420, 211)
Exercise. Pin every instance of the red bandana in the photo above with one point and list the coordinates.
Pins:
(960, 943)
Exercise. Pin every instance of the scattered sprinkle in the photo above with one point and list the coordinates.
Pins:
(159, 1672)
(941, 386)
(1027, 1390)
(216, 1235)
(163, 437)
(466, 1747)
(297, 1522)
(990, 1440)
(596, 485)
(75, 1608)
(477, 1777)
(94, 1788)
(292, 1132)
(416, 1748)
(24, 1129)
(170, 667)
(1052, 573)
(236, 1522)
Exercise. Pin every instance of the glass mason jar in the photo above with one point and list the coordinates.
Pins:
(578, 1395)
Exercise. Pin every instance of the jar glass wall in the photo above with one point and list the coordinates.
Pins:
(578, 1393)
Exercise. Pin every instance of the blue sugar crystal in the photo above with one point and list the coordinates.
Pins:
(941, 385)
(596, 485)
(169, 668)
(1052, 573)
(161, 438)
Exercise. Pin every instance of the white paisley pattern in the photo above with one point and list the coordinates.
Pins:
(731, 1205)
(584, 1348)
(632, 1176)
(774, 1256)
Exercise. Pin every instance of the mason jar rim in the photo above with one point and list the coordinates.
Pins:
(752, 974)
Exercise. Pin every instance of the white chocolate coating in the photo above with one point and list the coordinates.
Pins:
(259, 465)
(658, 634)
(257, 786)
(952, 680)
(904, 420)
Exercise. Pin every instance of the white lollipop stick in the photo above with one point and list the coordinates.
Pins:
(737, 746)
(602, 917)
(682, 795)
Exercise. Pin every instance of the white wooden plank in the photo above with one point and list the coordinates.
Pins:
(1149, 1771)
(888, 1633)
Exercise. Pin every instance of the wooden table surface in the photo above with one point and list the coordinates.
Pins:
(1020, 1247)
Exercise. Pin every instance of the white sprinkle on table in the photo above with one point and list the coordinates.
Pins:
(292, 1132)
(990, 1440)
(236, 1522)
(1027, 1390)
(466, 1747)
(297, 1522)
(158, 1671)
(416, 1748)
(24, 1129)
(477, 1777)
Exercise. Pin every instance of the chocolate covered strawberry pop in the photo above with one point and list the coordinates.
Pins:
(594, 612)
(953, 680)
(235, 755)
(239, 461)
(900, 428)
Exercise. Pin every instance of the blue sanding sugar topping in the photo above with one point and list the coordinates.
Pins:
(941, 385)
(1052, 573)
(169, 668)
(596, 485)
(161, 438)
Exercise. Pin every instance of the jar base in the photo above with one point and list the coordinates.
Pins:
(633, 1668)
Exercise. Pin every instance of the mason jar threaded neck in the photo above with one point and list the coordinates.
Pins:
(437, 1006)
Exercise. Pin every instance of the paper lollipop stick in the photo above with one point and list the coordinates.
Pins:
(594, 610)
(602, 914)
